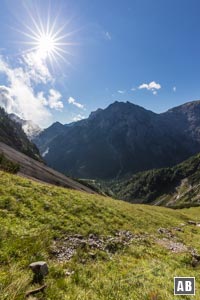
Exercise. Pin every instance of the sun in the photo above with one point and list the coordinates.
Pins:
(46, 45)
(47, 40)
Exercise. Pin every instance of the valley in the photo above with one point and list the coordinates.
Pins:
(96, 246)
(174, 187)
(99, 150)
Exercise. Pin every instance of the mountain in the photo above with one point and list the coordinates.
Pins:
(121, 140)
(12, 134)
(46, 137)
(177, 186)
(30, 128)
(185, 118)
(96, 248)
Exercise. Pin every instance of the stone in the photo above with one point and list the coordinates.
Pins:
(92, 255)
(40, 270)
(178, 229)
(64, 249)
(166, 231)
(196, 256)
(69, 273)
(39, 267)
(192, 223)
(194, 262)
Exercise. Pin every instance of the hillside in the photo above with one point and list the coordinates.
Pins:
(11, 133)
(176, 186)
(96, 248)
(121, 140)
(26, 166)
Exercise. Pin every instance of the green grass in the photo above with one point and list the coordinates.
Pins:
(32, 215)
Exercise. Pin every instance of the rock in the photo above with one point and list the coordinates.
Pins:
(197, 257)
(161, 230)
(93, 236)
(92, 255)
(166, 231)
(64, 249)
(173, 246)
(194, 262)
(78, 236)
(69, 273)
(39, 267)
(178, 229)
(192, 223)
(40, 270)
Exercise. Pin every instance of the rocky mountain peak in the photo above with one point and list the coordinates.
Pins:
(29, 127)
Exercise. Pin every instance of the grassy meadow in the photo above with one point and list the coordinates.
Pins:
(33, 216)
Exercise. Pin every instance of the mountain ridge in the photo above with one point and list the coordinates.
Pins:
(121, 140)
(12, 134)
(29, 127)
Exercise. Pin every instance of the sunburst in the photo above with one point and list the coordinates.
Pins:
(47, 40)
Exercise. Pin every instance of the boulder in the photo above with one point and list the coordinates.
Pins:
(192, 223)
(40, 270)
(39, 267)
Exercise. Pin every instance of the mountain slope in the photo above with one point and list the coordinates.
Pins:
(12, 134)
(30, 128)
(186, 118)
(176, 186)
(121, 140)
(46, 137)
(31, 168)
(38, 221)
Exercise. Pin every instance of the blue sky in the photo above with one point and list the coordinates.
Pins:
(143, 51)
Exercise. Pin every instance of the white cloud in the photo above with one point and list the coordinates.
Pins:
(174, 88)
(78, 118)
(152, 86)
(36, 67)
(121, 92)
(42, 98)
(6, 101)
(133, 89)
(54, 100)
(21, 95)
(107, 36)
(72, 101)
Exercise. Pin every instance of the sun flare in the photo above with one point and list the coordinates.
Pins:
(47, 40)
(46, 45)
